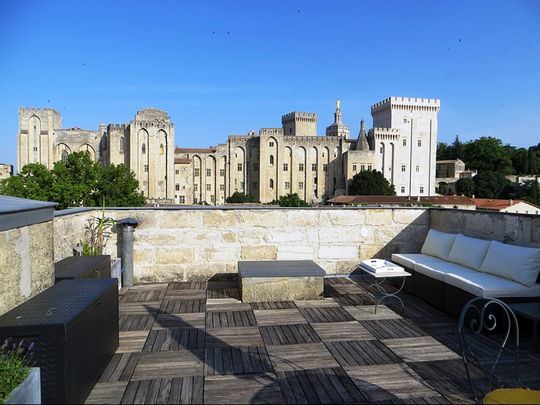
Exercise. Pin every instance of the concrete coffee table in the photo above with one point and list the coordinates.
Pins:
(280, 280)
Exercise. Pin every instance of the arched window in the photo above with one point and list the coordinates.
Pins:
(161, 149)
(272, 183)
(271, 159)
(122, 144)
(64, 156)
(143, 148)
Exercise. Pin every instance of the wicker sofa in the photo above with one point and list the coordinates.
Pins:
(453, 268)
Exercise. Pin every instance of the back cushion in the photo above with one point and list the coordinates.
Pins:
(438, 244)
(516, 263)
(468, 252)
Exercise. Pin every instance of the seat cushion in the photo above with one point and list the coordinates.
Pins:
(410, 259)
(438, 244)
(436, 268)
(469, 252)
(516, 263)
(487, 285)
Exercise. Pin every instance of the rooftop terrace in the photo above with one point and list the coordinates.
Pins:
(195, 342)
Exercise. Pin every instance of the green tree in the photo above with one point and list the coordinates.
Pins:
(457, 148)
(238, 197)
(490, 184)
(534, 161)
(444, 151)
(289, 200)
(520, 161)
(118, 187)
(487, 153)
(33, 182)
(75, 181)
(465, 186)
(370, 183)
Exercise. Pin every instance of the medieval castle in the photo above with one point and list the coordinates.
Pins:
(291, 159)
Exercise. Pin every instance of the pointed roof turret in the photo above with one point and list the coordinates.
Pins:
(362, 142)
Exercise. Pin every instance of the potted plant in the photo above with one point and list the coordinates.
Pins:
(98, 230)
(19, 383)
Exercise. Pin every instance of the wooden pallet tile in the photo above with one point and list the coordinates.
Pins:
(234, 337)
(230, 319)
(169, 364)
(422, 348)
(107, 393)
(135, 322)
(179, 306)
(273, 305)
(300, 357)
(387, 382)
(278, 317)
(361, 353)
(237, 360)
(132, 341)
(242, 389)
(186, 320)
(326, 314)
(367, 312)
(336, 331)
(174, 339)
(288, 334)
(392, 328)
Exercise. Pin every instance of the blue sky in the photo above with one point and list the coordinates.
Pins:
(227, 67)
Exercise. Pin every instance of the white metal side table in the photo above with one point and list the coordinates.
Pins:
(381, 270)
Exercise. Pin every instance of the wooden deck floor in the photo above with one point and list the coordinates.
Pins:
(195, 342)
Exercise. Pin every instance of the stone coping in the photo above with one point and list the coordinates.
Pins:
(279, 268)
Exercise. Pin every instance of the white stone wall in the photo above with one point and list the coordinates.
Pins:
(188, 244)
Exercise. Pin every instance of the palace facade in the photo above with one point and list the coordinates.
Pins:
(293, 158)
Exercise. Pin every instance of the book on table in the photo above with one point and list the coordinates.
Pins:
(380, 266)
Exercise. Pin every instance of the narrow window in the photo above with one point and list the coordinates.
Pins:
(285, 167)
(182, 199)
(161, 149)
(143, 149)
(354, 167)
(404, 142)
(222, 187)
(403, 168)
(208, 172)
(271, 159)
(287, 185)
(271, 183)
(177, 171)
(255, 167)
(419, 142)
(177, 187)
(122, 144)
(402, 189)
(271, 144)
(146, 168)
(213, 198)
(208, 187)
(362, 168)
(300, 167)
(417, 168)
(421, 190)
(222, 172)
(195, 187)
(314, 167)
(239, 167)
(196, 172)
(300, 185)
(325, 167)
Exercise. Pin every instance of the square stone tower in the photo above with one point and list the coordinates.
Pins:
(404, 137)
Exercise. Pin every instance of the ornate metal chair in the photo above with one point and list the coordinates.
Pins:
(498, 324)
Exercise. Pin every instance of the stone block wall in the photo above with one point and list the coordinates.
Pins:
(515, 229)
(26, 257)
(190, 244)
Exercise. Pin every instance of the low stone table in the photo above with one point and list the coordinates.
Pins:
(280, 280)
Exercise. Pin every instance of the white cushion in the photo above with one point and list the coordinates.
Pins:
(409, 259)
(515, 263)
(438, 244)
(487, 285)
(437, 269)
(469, 252)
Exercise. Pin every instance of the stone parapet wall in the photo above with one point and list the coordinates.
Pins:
(515, 229)
(26, 257)
(191, 244)
(68, 231)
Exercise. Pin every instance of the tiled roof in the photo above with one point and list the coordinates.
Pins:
(386, 199)
(495, 204)
(182, 161)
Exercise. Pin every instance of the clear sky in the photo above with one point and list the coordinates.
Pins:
(227, 67)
